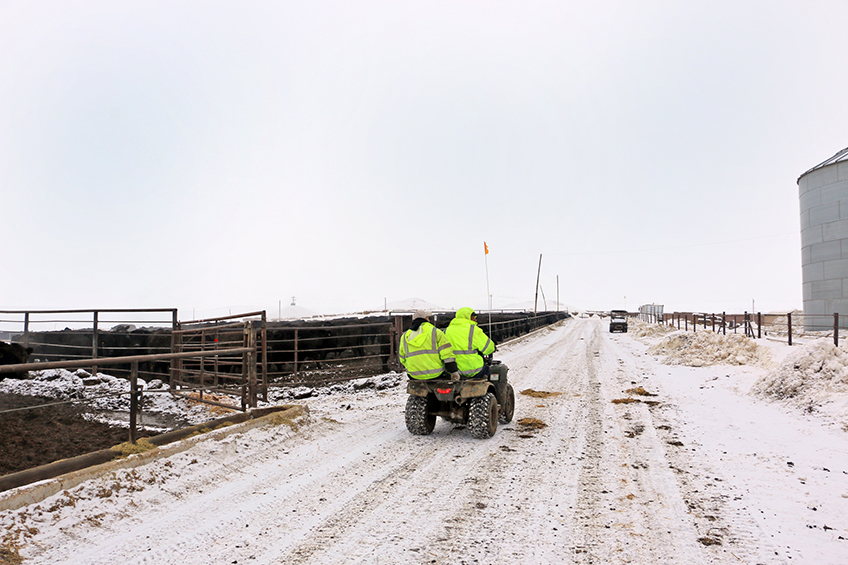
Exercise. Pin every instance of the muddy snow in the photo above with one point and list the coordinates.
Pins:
(642, 448)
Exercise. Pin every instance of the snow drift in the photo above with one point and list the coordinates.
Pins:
(700, 349)
(813, 376)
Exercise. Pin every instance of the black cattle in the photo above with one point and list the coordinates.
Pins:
(13, 354)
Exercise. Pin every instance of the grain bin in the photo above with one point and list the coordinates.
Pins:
(823, 191)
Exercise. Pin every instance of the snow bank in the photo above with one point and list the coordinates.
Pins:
(699, 349)
(780, 324)
(813, 376)
(639, 329)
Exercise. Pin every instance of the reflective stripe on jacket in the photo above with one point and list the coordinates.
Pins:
(425, 351)
(467, 339)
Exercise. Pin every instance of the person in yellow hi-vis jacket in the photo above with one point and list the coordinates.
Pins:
(425, 351)
(470, 344)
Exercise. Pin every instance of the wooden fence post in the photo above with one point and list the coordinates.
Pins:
(789, 325)
(836, 329)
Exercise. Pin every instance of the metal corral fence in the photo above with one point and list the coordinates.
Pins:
(243, 375)
(135, 392)
(92, 334)
(310, 353)
(294, 353)
(757, 324)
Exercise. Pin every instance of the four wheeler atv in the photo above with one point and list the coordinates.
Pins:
(478, 403)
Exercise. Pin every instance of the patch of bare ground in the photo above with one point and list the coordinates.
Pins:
(37, 436)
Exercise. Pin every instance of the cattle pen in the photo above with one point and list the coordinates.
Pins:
(238, 356)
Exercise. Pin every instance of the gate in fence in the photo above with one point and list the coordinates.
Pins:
(212, 378)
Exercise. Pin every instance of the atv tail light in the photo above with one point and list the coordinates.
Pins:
(443, 390)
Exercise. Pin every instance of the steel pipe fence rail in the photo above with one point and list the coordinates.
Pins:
(90, 340)
(297, 357)
(307, 354)
(213, 335)
(135, 393)
(286, 354)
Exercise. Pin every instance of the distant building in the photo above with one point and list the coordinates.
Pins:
(651, 312)
(823, 191)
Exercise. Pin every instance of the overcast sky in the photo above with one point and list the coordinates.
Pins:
(226, 156)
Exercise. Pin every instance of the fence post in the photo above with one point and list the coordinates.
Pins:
(759, 325)
(26, 329)
(134, 403)
(264, 357)
(836, 329)
(789, 325)
(203, 363)
(713, 317)
(686, 322)
(295, 353)
(176, 364)
(251, 365)
(94, 342)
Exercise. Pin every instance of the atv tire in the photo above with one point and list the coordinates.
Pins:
(483, 416)
(508, 408)
(418, 421)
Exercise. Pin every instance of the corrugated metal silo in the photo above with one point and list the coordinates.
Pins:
(823, 191)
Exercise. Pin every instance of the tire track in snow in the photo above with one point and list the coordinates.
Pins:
(515, 479)
(643, 501)
(704, 490)
(586, 510)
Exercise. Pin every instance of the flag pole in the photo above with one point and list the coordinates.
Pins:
(488, 292)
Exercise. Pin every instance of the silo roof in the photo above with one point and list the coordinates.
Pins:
(838, 158)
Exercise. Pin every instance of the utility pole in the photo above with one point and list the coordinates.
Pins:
(536, 303)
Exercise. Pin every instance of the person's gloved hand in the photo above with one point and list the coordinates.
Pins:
(455, 376)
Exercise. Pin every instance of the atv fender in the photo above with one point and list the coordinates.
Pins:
(417, 388)
(471, 389)
(461, 389)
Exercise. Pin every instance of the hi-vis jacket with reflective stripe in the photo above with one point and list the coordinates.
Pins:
(425, 351)
(467, 339)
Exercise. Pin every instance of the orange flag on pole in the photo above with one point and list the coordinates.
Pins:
(485, 248)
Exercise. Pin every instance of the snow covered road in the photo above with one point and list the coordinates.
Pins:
(591, 470)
